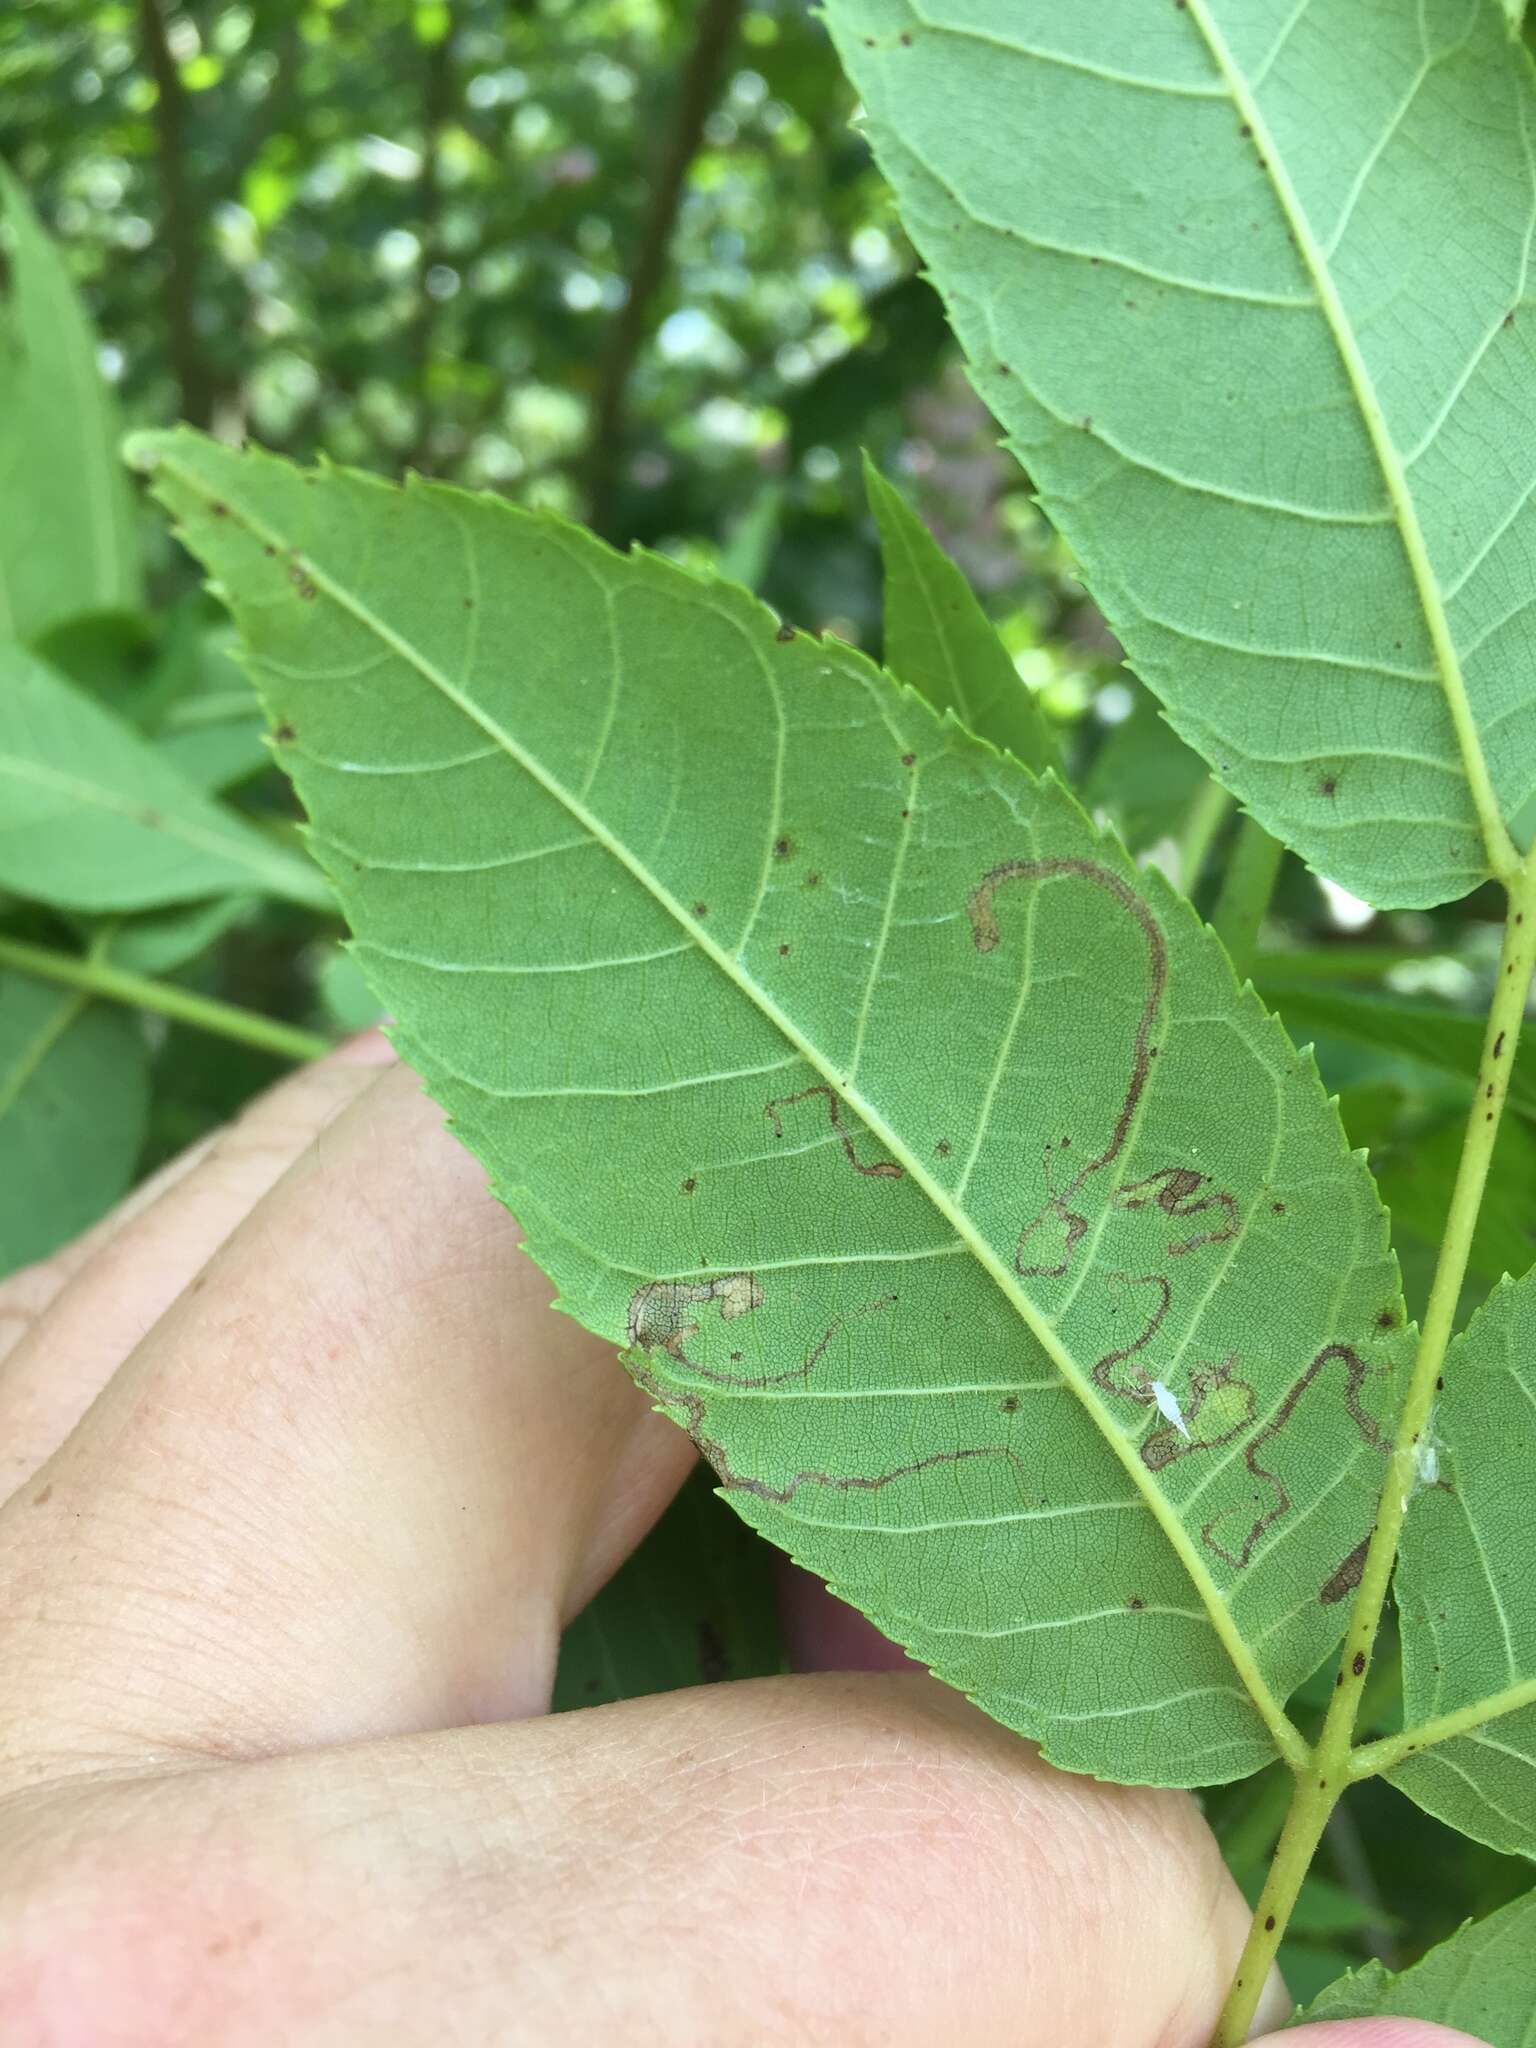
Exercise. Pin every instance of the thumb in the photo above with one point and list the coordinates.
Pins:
(1372, 2034)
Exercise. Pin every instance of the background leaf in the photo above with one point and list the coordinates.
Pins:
(1440, 1037)
(1466, 1581)
(1301, 497)
(93, 818)
(67, 539)
(938, 638)
(914, 1333)
(1482, 1980)
(73, 1102)
(692, 1606)
(1144, 777)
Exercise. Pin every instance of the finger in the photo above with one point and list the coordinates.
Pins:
(787, 1861)
(351, 1483)
(1371, 2034)
(823, 1633)
(67, 1323)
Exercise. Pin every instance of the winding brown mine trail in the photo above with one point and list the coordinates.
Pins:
(986, 934)
(1176, 1192)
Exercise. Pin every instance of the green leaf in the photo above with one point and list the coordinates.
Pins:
(1482, 1980)
(74, 1097)
(1445, 1039)
(92, 818)
(1416, 1178)
(1323, 1909)
(160, 941)
(1466, 1585)
(692, 1606)
(346, 1000)
(749, 550)
(938, 638)
(1310, 1967)
(669, 910)
(1286, 431)
(67, 539)
(1145, 778)
(211, 728)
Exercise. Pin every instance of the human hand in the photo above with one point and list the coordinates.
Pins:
(304, 1481)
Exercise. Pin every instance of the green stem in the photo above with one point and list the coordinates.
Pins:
(1333, 1762)
(205, 1013)
(1245, 892)
(1373, 1757)
(1206, 816)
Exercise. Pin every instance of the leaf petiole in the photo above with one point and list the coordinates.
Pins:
(97, 977)
(1333, 1764)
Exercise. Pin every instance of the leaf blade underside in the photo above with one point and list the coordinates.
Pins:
(1466, 1584)
(1285, 431)
(1482, 1980)
(641, 882)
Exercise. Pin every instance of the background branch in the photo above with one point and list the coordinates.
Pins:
(437, 104)
(713, 38)
(178, 233)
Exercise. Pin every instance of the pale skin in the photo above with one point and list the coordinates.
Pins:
(303, 1480)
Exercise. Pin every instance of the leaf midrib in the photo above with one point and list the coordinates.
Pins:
(1288, 1739)
(1503, 858)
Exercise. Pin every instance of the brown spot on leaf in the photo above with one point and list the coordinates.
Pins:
(1009, 1404)
(658, 1312)
(1347, 1577)
(1387, 1319)
(942, 1148)
(689, 1185)
(1357, 1664)
(1135, 1603)
(783, 848)
(785, 634)
(782, 951)
(284, 733)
